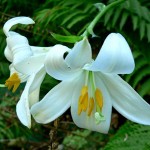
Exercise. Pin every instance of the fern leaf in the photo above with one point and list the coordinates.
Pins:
(148, 32)
(140, 74)
(130, 136)
(145, 88)
(142, 29)
(124, 19)
(135, 21)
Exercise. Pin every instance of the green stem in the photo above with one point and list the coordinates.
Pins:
(90, 28)
(2, 85)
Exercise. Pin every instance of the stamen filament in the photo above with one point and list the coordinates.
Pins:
(79, 105)
(86, 77)
(2, 85)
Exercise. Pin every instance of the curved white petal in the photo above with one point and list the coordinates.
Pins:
(40, 50)
(35, 86)
(30, 65)
(19, 47)
(22, 77)
(114, 57)
(82, 120)
(8, 54)
(14, 21)
(126, 100)
(79, 55)
(56, 102)
(28, 97)
(56, 66)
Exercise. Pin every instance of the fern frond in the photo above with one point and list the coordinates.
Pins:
(130, 11)
(140, 77)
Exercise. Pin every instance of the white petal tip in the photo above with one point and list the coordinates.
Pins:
(14, 21)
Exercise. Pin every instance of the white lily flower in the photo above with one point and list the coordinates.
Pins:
(92, 87)
(27, 65)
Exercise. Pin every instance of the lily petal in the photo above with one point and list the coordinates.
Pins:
(30, 65)
(82, 120)
(80, 55)
(22, 77)
(126, 100)
(40, 50)
(54, 104)
(14, 21)
(56, 66)
(114, 57)
(35, 86)
(8, 54)
(19, 47)
(28, 97)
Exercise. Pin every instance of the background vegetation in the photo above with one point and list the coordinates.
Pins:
(131, 19)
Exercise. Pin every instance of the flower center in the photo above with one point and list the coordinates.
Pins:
(13, 82)
(91, 99)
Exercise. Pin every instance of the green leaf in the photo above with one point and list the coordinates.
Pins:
(142, 29)
(67, 39)
(66, 32)
(145, 88)
(135, 21)
(144, 71)
(130, 136)
(115, 18)
(148, 32)
(107, 17)
(124, 19)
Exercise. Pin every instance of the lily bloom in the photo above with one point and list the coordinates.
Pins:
(27, 65)
(92, 87)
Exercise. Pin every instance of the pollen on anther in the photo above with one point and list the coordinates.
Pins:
(99, 98)
(13, 82)
(91, 106)
(84, 90)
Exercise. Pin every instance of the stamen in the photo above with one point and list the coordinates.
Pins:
(83, 100)
(13, 81)
(91, 106)
(84, 90)
(99, 98)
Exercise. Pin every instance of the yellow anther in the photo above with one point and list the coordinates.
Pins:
(13, 81)
(99, 98)
(91, 106)
(84, 90)
(83, 100)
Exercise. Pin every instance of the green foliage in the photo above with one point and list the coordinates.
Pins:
(130, 136)
(78, 140)
(12, 133)
(84, 140)
(139, 79)
(71, 17)
(131, 13)
(53, 15)
(67, 39)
